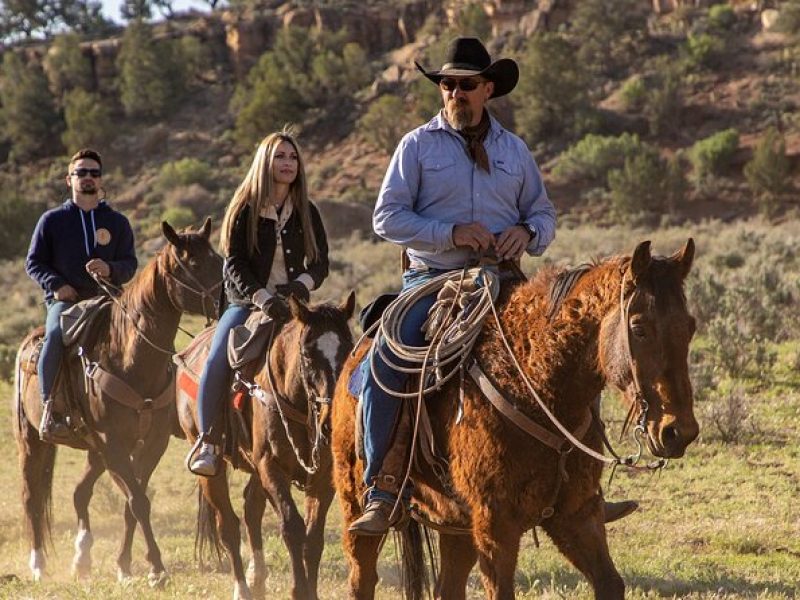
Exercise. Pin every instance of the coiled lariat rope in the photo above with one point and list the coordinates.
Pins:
(451, 344)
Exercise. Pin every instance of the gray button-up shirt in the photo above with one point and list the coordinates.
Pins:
(432, 185)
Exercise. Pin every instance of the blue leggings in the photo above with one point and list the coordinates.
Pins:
(216, 374)
(52, 349)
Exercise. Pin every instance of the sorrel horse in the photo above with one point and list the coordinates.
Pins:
(624, 322)
(134, 343)
(287, 442)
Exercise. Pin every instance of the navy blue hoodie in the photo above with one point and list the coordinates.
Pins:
(66, 238)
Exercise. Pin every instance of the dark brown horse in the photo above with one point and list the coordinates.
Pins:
(288, 443)
(502, 478)
(134, 343)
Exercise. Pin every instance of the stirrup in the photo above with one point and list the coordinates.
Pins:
(206, 463)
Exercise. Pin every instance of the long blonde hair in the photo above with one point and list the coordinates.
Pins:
(254, 191)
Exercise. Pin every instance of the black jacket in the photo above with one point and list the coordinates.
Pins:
(244, 275)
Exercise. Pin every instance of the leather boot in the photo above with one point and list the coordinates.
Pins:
(49, 427)
(377, 518)
(618, 510)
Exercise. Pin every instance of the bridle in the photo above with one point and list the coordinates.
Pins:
(196, 287)
(640, 402)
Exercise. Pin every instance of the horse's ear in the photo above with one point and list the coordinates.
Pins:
(641, 260)
(348, 307)
(684, 258)
(205, 230)
(299, 310)
(171, 235)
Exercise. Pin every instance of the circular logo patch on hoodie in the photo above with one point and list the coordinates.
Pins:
(103, 236)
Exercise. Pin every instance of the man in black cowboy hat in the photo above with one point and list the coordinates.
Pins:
(457, 185)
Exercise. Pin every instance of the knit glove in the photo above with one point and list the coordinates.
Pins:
(294, 288)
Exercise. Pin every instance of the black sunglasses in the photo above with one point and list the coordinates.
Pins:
(80, 173)
(449, 84)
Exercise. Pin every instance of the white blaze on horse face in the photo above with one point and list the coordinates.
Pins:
(328, 344)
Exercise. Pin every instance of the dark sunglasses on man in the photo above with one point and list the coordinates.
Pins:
(449, 84)
(81, 173)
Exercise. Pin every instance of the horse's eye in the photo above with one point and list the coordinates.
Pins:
(637, 328)
(193, 262)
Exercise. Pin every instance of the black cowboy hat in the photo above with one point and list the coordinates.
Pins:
(467, 56)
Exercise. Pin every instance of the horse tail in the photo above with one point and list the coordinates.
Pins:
(206, 537)
(413, 571)
(37, 461)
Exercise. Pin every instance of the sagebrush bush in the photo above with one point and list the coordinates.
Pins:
(768, 173)
(712, 155)
(633, 93)
(664, 101)
(179, 216)
(730, 416)
(721, 17)
(593, 157)
(704, 50)
(638, 188)
(184, 172)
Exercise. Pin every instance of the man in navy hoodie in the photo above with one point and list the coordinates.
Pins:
(73, 243)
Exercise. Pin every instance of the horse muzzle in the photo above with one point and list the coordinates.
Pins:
(671, 438)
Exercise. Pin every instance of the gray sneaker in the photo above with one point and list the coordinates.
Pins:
(205, 461)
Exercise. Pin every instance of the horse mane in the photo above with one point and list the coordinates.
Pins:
(138, 298)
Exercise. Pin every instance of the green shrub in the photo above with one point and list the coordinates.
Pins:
(151, 77)
(385, 122)
(638, 188)
(675, 184)
(704, 50)
(768, 173)
(193, 56)
(552, 98)
(721, 18)
(179, 216)
(304, 70)
(472, 20)
(633, 93)
(184, 172)
(606, 37)
(595, 155)
(88, 120)
(18, 216)
(28, 118)
(789, 19)
(66, 66)
(712, 155)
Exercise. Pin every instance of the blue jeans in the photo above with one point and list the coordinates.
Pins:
(214, 383)
(380, 410)
(52, 348)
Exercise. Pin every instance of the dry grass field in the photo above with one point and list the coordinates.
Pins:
(722, 523)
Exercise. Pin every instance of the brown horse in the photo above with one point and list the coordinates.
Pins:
(135, 344)
(503, 479)
(286, 442)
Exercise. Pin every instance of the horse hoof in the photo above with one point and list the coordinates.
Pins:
(38, 575)
(124, 577)
(81, 571)
(241, 591)
(157, 581)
